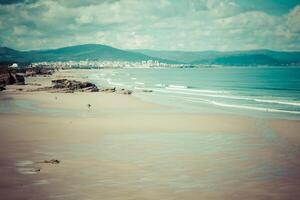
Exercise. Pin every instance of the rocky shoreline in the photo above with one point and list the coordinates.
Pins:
(71, 86)
(12, 76)
(62, 85)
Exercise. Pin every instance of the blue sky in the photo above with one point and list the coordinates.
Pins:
(190, 25)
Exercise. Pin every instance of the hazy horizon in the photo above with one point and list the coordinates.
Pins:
(191, 25)
(162, 50)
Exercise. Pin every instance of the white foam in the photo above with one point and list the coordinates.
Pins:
(159, 85)
(278, 102)
(197, 90)
(204, 94)
(139, 83)
(249, 107)
(198, 93)
(177, 86)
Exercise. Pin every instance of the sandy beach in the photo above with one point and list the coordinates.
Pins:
(124, 148)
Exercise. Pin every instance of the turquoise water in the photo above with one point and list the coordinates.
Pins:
(260, 91)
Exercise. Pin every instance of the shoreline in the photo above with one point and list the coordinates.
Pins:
(124, 147)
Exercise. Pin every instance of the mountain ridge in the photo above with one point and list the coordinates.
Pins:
(259, 56)
(75, 53)
(107, 53)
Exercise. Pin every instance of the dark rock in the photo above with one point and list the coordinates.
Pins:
(36, 170)
(59, 80)
(147, 90)
(2, 87)
(39, 71)
(108, 89)
(20, 80)
(127, 92)
(59, 86)
(52, 161)
(12, 79)
(70, 86)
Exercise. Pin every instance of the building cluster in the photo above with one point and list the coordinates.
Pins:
(103, 64)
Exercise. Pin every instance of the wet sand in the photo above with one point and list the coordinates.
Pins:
(123, 148)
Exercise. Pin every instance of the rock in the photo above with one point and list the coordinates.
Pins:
(36, 170)
(59, 86)
(59, 80)
(127, 92)
(30, 72)
(2, 87)
(70, 86)
(39, 71)
(52, 161)
(20, 80)
(108, 89)
(10, 76)
(90, 89)
(12, 79)
(147, 90)
(87, 84)
(35, 84)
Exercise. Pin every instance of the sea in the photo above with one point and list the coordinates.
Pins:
(257, 91)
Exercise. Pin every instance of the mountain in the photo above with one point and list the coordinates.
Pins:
(75, 53)
(103, 52)
(7, 54)
(251, 57)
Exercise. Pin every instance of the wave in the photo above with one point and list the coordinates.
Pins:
(277, 102)
(206, 101)
(113, 83)
(177, 86)
(247, 107)
(203, 94)
(139, 83)
(219, 94)
(197, 90)
(159, 85)
(254, 108)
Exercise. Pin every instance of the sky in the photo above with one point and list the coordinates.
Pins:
(188, 25)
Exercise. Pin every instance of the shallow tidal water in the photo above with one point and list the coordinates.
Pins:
(256, 91)
(193, 163)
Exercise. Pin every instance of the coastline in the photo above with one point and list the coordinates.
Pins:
(146, 151)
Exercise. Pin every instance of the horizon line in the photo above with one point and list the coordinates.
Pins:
(143, 49)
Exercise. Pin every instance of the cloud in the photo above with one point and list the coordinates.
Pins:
(159, 24)
(7, 2)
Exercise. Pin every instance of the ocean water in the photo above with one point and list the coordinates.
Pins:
(259, 91)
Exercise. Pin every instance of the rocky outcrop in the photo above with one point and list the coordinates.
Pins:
(52, 161)
(74, 85)
(125, 91)
(2, 87)
(8, 77)
(69, 86)
(115, 90)
(5, 77)
(147, 90)
(38, 71)
(19, 79)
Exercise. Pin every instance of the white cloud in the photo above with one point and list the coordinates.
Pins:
(160, 24)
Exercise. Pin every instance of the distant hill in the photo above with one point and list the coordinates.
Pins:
(75, 53)
(252, 57)
(103, 52)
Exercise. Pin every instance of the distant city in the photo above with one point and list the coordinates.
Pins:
(108, 64)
